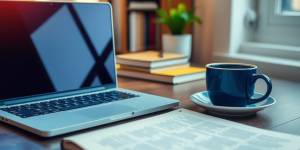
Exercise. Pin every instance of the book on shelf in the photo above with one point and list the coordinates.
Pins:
(151, 31)
(151, 59)
(182, 129)
(136, 31)
(143, 29)
(142, 5)
(168, 75)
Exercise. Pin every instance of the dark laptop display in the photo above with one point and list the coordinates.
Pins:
(51, 41)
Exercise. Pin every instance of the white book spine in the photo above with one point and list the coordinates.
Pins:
(132, 31)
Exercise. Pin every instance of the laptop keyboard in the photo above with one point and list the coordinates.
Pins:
(64, 104)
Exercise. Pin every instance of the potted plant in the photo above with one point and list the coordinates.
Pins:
(176, 19)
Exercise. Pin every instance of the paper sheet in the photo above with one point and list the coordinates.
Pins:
(185, 129)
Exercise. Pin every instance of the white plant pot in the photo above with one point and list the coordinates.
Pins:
(181, 44)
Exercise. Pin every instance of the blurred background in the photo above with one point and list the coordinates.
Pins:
(265, 33)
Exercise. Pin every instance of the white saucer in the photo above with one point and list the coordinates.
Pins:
(202, 99)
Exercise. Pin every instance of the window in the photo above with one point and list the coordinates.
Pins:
(278, 22)
(289, 7)
(277, 30)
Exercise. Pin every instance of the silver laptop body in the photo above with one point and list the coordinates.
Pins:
(54, 53)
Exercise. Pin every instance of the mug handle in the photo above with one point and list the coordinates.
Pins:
(252, 80)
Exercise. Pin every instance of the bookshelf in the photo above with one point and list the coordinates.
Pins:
(122, 25)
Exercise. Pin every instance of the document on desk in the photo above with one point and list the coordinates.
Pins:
(183, 129)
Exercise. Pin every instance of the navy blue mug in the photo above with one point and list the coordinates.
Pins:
(233, 84)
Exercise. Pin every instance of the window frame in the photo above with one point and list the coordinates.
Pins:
(285, 13)
(273, 27)
(234, 42)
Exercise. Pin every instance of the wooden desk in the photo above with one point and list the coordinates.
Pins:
(283, 116)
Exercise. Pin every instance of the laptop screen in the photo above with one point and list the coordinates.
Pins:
(54, 47)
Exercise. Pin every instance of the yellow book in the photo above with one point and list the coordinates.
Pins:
(151, 59)
(174, 76)
(180, 71)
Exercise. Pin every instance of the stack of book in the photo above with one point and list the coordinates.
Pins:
(143, 30)
(171, 68)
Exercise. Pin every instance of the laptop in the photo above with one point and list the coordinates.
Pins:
(58, 72)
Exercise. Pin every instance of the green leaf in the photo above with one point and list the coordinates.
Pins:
(177, 24)
(177, 18)
(185, 16)
(173, 12)
(195, 18)
(161, 13)
(181, 7)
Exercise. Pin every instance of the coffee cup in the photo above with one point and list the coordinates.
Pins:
(233, 84)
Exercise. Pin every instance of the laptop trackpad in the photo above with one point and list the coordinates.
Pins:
(104, 111)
